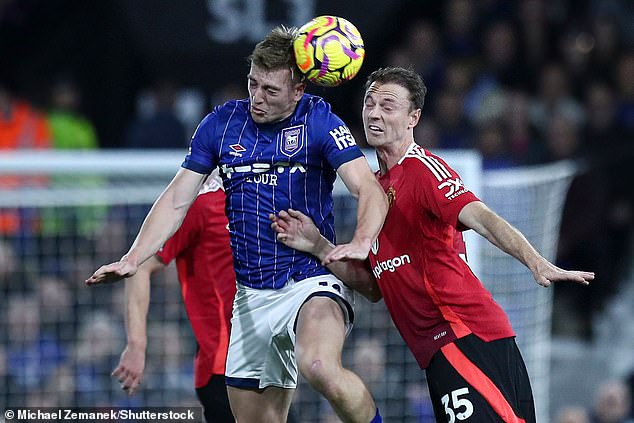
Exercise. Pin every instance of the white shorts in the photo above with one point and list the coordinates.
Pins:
(262, 344)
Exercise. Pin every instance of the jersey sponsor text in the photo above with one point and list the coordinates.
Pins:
(390, 265)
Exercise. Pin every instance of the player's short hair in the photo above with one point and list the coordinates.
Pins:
(275, 51)
(406, 78)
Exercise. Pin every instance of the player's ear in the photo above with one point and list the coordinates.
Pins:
(300, 87)
(414, 117)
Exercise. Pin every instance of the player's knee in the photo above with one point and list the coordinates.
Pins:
(321, 375)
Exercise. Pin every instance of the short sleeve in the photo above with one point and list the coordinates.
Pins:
(338, 144)
(440, 190)
(202, 156)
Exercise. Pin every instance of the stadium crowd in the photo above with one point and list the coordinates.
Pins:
(524, 83)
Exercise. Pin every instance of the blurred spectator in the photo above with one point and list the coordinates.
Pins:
(157, 125)
(602, 136)
(191, 106)
(60, 389)
(22, 127)
(535, 35)
(419, 403)
(519, 131)
(460, 29)
(69, 129)
(612, 403)
(554, 97)
(492, 144)
(32, 354)
(607, 43)
(421, 48)
(171, 367)
(368, 358)
(562, 138)
(576, 44)
(95, 356)
(572, 414)
(454, 129)
(501, 57)
(56, 307)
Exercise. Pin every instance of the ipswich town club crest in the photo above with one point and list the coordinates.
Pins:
(292, 140)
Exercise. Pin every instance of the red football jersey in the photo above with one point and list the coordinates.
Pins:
(430, 291)
(205, 270)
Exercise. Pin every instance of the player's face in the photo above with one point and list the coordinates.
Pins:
(387, 118)
(273, 95)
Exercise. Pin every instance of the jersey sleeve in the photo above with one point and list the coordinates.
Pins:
(441, 191)
(185, 236)
(338, 144)
(203, 154)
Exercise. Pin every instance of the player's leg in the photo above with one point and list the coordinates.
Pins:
(320, 333)
(268, 405)
(259, 385)
(215, 400)
(480, 381)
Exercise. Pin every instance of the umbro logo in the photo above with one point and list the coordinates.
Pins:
(237, 150)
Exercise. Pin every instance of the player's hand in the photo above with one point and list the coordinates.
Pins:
(296, 230)
(129, 372)
(355, 250)
(546, 273)
(112, 272)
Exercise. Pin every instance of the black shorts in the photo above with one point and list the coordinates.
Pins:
(480, 381)
(215, 401)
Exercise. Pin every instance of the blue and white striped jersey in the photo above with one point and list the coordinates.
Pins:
(268, 168)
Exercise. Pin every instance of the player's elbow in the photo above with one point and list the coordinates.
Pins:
(372, 292)
(374, 296)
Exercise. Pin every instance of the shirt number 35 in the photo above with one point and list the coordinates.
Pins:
(459, 408)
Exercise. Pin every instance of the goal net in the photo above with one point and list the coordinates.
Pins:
(64, 213)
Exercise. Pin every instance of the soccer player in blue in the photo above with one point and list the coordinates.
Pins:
(281, 148)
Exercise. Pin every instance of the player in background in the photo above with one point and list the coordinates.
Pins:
(205, 271)
(452, 325)
(278, 149)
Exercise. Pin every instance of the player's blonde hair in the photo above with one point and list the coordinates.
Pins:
(275, 51)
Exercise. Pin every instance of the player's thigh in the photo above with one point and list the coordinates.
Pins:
(268, 405)
(320, 331)
(215, 400)
(480, 381)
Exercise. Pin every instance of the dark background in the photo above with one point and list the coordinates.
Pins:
(116, 48)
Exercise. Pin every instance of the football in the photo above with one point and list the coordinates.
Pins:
(329, 50)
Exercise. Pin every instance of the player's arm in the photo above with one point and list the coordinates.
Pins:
(477, 216)
(131, 365)
(296, 230)
(371, 210)
(162, 221)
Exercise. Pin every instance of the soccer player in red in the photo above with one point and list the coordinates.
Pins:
(205, 270)
(451, 323)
